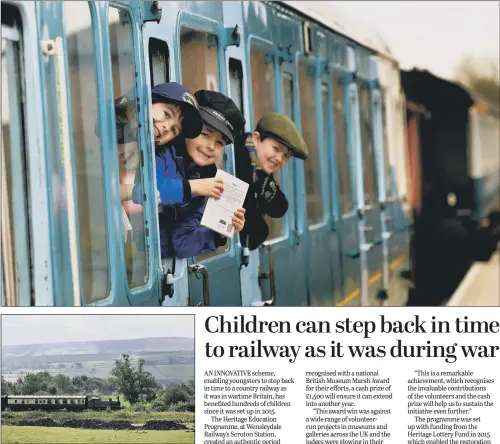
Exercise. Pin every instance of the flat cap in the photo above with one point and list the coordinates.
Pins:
(281, 128)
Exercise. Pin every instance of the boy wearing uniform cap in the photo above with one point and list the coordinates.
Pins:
(264, 152)
(222, 123)
(176, 115)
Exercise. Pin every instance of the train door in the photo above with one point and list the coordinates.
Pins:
(93, 260)
(17, 171)
(158, 44)
(213, 278)
(383, 235)
(346, 141)
(370, 205)
(314, 115)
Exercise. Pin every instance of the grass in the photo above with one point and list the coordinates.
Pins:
(55, 435)
(134, 417)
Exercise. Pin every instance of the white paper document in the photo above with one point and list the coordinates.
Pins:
(219, 212)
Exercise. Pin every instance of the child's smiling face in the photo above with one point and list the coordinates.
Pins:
(167, 122)
(207, 147)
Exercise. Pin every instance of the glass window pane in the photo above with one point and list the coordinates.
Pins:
(368, 152)
(199, 62)
(388, 180)
(9, 272)
(263, 100)
(200, 70)
(158, 61)
(314, 195)
(344, 183)
(123, 67)
(94, 255)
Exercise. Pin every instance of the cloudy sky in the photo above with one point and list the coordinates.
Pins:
(432, 35)
(40, 329)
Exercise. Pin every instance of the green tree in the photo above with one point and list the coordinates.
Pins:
(32, 383)
(175, 396)
(481, 77)
(134, 384)
(64, 385)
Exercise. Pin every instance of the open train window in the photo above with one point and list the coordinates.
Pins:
(200, 70)
(129, 150)
(158, 61)
(263, 102)
(314, 194)
(15, 282)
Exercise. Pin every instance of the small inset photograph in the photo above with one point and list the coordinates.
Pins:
(98, 379)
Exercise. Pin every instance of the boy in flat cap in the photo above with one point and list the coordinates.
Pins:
(264, 152)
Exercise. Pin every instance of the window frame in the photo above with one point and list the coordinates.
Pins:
(140, 61)
(339, 74)
(314, 64)
(22, 240)
(257, 43)
(197, 23)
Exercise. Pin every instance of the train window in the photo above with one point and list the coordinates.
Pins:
(368, 152)
(341, 149)
(263, 101)
(314, 194)
(200, 64)
(385, 132)
(124, 70)
(15, 235)
(236, 82)
(94, 254)
(200, 70)
(158, 61)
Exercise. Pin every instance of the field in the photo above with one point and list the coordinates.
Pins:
(12, 433)
(49, 435)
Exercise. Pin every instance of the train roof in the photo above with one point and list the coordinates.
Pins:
(46, 396)
(327, 14)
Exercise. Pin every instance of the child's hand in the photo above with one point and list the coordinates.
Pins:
(211, 187)
(239, 220)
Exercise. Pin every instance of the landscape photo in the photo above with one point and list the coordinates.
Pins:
(104, 378)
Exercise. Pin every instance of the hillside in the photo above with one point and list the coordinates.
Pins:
(169, 359)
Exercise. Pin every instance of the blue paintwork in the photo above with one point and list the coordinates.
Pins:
(319, 265)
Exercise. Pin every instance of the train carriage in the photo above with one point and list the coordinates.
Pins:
(344, 238)
(27, 402)
(60, 402)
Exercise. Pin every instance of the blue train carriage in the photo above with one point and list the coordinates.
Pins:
(67, 240)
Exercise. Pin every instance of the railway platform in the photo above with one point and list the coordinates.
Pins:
(480, 287)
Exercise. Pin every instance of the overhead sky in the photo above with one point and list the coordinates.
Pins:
(43, 329)
(432, 35)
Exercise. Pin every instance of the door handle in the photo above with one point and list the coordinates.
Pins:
(269, 275)
(198, 268)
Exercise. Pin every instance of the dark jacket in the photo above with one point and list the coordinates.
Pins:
(264, 197)
(181, 215)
